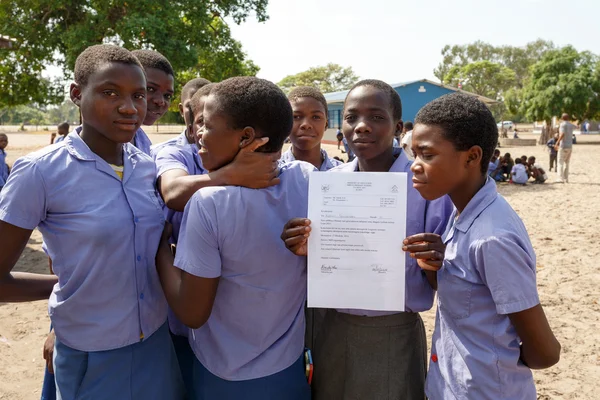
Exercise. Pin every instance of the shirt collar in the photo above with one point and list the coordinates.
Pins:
(402, 163)
(80, 150)
(482, 200)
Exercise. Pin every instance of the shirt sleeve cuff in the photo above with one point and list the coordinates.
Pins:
(16, 221)
(517, 306)
(200, 272)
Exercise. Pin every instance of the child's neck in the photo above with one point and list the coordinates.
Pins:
(312, 156)
(462, 195)
(382, 163)
(106, 149)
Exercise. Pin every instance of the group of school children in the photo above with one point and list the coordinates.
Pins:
(228, 270)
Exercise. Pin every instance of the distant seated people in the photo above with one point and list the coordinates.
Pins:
(553, 152)
(515, 134)
(519, 173)
(524, 162)
(494, 167)
(507, 163)
(536, 171)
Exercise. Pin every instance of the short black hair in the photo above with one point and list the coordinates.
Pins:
(497, 151)
(465, 121)
(200, 93)
(518, 161)
(95, 56)
(395, 102)
(191, 87)
(63, 125)
(308, 91)
(258, 103)
(153, 59)
(409, 125)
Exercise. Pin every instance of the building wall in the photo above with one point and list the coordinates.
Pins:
(413, 96)
(416, 95)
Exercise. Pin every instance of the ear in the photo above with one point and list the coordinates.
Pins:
(327, 124)
(474, 156)
(399, 127)
(75, 93)
(180, 106)
(248, 136)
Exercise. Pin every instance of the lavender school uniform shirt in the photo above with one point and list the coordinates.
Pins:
(101, 233)
(3, 168)
(421, 216)
(179, 140)
(328, 162)
(488, 273)
(256, 327)
(184, 157)
(140, 140)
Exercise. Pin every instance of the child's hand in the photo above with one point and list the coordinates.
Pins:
(427, 248)
(253, 169)
(295, 235)
(48, 351)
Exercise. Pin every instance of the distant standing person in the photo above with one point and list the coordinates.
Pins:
(339, 136)
(407, 140)
(4, 170)
(63, 131)
(564, 146)
(551, 143)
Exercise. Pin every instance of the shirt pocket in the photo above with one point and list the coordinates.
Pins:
(454, 294)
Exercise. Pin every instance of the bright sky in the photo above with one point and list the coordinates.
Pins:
(401, 40)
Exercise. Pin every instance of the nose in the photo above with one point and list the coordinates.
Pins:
(362, 127)
(416, 167)
(159, 100)
(304, 125)
(128, 107)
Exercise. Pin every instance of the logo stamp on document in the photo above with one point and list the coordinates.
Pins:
(325, 188)
(394, 189)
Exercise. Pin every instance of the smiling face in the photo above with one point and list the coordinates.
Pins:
(310, 122)
(113, 102)
(369, 125)
(198, 122)
(219, 143)
(438, 167)
(159, 94)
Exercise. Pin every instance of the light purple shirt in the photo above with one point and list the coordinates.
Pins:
(179, 140)
(488, 273)
(233, 233)
(421, 216)
(3, 168)
(328, 162)
(101, 233)
(184, 157)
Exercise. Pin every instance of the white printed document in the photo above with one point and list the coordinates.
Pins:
(355, 257)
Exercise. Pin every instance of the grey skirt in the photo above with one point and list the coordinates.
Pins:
(369, 358)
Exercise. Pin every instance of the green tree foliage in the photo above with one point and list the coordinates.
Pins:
(328, 78)
(56, 31)
(563, 81)
(485, 78)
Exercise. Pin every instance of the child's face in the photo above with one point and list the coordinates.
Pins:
(438, 168)
(113, 103)
(3, 142)
(159, 94)
(198, 122)
(369, 125)
(220, 143)
(310, 122)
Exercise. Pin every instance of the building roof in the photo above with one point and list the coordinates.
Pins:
(339, 97)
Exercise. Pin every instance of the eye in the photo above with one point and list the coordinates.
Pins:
(378, 118)
(350, 117)
(110, 93)
(168, 96)
(297, 117)
(317, 117)
(140, 96)
(150, 89)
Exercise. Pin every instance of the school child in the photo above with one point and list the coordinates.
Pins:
(364, 354)
(63, 131)
(407, 139)
(553, 152)
(519, 173)
(507, 164)
(310, 122)
(490, 327)
(161, 79)
(93, 198)
(536, 171)
(339, 136)
(234, 281)
(186, 137)
(4, 170)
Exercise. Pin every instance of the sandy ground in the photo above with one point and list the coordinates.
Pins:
(562, 219)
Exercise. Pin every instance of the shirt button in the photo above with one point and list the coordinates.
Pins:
(136, 220)
(139, 258)
(434, 358)
(142, 296)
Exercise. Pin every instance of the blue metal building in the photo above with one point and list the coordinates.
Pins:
(414, 95)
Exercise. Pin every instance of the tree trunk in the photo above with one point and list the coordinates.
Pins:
(546, 133)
